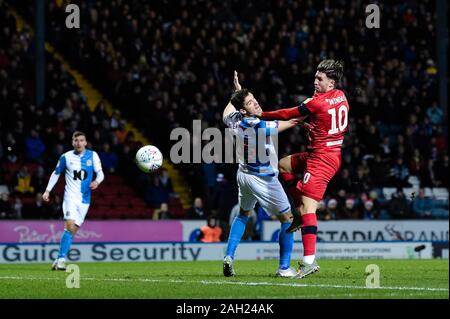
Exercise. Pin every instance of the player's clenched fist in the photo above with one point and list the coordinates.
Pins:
(46, 196)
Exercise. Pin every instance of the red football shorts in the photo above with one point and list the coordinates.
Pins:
(317, 170)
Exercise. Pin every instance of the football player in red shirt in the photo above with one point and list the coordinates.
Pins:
(328, 111)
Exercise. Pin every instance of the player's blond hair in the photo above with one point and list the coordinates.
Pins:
(78, 133)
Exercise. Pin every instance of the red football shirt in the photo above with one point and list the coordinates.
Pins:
(328, 114)
(329, 120)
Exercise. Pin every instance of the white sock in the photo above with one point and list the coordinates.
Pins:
(309, 259)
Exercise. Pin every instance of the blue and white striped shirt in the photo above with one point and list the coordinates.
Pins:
(255, 146)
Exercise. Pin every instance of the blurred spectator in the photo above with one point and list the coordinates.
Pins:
(155, 194)
(377, 204)
(399, 173)
(399, 206)
(162, 212)
(350, 211)
(416, 163)
(223, 198)
(209, 180)
(165, 181)
(37, 209)
(422, 205)
(39, 180)
(385, 147)
(341, 198)
(442, 169)
(6, 209)
(17, 208)
(196, 211)
(368, 211)
(331, 211)
(121, 132)
(109, 159)
(435, 114)
(34, 147)
(23, 182)
(211, 232)
(343, 181)
(427, 174)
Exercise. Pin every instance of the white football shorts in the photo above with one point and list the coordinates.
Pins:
(75, 211)
(266, 190)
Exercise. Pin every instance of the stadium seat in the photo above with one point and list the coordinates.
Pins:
(388, 191)
(440, 193)
(125, 191)
(174, 202)
(177, 212)
(414, 181)
(135, 202)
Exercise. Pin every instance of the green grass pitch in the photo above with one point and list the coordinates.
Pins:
(203, 279)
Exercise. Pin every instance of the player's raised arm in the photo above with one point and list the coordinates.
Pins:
(285, 125)
(230, 107)
(60, 167)
(287, 113)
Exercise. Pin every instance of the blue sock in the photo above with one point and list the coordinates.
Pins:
(236, 232)
(286, 241)
(66, 241)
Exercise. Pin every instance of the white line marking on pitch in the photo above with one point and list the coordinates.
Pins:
(240, 283)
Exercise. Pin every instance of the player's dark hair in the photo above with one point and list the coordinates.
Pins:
(238, 98)
(333, 69)
(78, 133)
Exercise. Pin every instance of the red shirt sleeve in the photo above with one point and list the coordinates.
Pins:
(283, 114)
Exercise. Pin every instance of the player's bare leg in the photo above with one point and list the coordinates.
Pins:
(308, 209)
(71, 226)
(290, 182)
(70, 229)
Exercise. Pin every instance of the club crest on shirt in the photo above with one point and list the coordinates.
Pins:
(89, 163)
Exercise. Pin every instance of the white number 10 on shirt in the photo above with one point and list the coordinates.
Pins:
(341, 122)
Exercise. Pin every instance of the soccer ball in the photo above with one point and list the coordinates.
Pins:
(149, 158)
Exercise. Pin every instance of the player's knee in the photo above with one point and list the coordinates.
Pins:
(303, 209)
(72, 228)
(245, 212)
(285, 218)
(285, 165)
(306, 208)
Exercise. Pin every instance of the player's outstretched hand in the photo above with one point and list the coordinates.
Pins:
(93, 185)
(46, 196)
(237, 86)
(297, 120)
(307, 126)
(301, 122)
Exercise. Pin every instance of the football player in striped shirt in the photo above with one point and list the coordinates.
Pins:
(257, 175)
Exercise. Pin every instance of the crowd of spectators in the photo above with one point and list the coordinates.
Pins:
(32, 138)
(167, 63)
